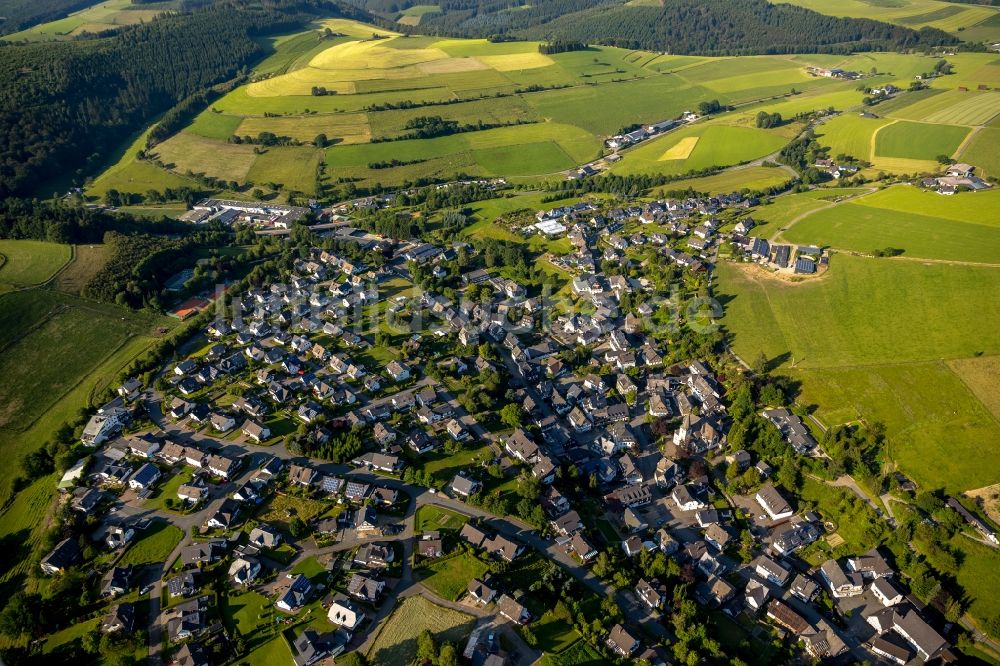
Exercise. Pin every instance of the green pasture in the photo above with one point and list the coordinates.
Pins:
(918, 141)
(853, 226)
(982, 152)
(935, 424)
(862, 311)
(850, 134)
(28, 262)
(953, 107)
(974, 207)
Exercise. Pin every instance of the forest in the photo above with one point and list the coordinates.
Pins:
(66, 106)
(703, 27)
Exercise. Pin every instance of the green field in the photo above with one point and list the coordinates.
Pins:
(863, 311)
(857, 227)
(154, 545)
(429, 518)
(750, 178)
(918, 141)
(449, 578)
(37, 360)
(982, 152)
(981, 207)
(27, 263)
(977, 576)
(396, 640)
(936, 425)
(850, 134)
(952, 107)
(579, 654)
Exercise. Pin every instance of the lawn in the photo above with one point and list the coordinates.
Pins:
(856, 227)
(168, 489)
(834, 321)
(554, 630)
(918, 141)
(396, 641)
(275, 651)
(28, 262)
(154, 545)
(248, 612)
(429, 518)
(579, 654)
(311, 567)
(449, 578)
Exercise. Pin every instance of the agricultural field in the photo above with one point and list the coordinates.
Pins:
(851, 134)
(981, 151)
(918, 141)
(952, 107)
(566, 115)
(87, 261)
(413, 15)
(910, 13)
(396, 640)
(750, 178)
(982, 376)
(854, 355)
(27, 263)
(100, 17)
(860, 228)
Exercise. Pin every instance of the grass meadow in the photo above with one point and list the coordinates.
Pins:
(449, 578)
(854, 226)
(28, 262)
(918, 141)
(397, 639)
(154, 545)
(911, 13)
(982, 151)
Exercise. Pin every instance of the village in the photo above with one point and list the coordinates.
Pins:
(335, 467)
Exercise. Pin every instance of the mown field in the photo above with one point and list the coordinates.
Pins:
(397, 639)
(27, 263)
(918, 141)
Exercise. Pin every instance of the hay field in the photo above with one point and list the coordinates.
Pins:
(680, 150)
(96, 18)
(200, 155)
(291, 167)
(918, 141)
(911, 13)
(346, 128)
(514, 61)
(982, 376)
(953, 107)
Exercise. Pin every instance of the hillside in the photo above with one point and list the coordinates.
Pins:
(706, 27)
(66, 105)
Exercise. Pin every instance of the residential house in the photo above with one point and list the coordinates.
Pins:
(512, 609)
(773, 502)
(841, 584)
(621, 641)
(294, 593)
(345, 613)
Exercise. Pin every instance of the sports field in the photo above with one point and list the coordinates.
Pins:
(918, 141)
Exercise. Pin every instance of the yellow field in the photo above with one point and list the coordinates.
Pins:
(681, 150)
(371, 55)
(904, 165)
(184, 151)
(299, 82)
(354, 28)
(452, 66)
(516, 61)
(343, 128)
